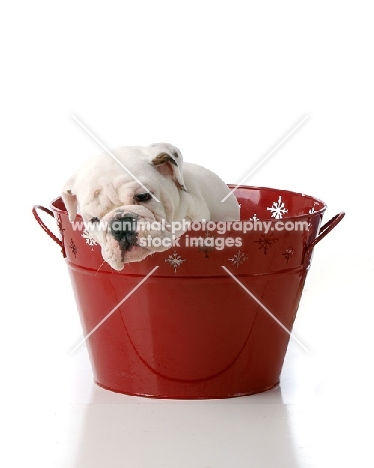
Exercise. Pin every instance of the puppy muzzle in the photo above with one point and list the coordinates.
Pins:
(123, 228)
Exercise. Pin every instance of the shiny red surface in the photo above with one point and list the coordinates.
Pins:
(190, 331)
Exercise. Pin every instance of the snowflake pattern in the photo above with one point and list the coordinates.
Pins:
(89, 240)
(278, 209)
(175, 261)
(313, 209)
(73, 248)
(287, 254)
(206, 248)
(59, 225)
(254, 217)
(238, 259)
(266, 241)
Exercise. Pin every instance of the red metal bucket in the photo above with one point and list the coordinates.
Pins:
(209, 322)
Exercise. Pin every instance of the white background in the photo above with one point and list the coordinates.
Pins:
(225, 82)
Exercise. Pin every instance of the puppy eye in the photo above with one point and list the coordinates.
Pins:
(143, 197)
(94, 220)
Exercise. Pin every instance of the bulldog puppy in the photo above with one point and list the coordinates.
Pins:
(138, 194)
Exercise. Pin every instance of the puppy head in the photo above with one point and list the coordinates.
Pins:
(124, 200)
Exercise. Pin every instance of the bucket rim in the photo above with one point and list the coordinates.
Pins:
(283, 191)
(320, 211)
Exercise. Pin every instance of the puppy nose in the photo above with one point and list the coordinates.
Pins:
(123, 229)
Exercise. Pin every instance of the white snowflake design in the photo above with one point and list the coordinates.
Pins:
(254, 217)
(278, 209)
(91, 242)
(175, 261)
(313, 209)
(238, 259)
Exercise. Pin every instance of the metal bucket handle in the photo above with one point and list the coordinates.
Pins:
(324, 230)
(45, 228)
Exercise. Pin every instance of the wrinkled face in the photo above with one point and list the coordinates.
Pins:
(129, 216)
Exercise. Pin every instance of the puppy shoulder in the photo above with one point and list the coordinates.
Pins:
(200, 174)
(199, 178)
(209, 188)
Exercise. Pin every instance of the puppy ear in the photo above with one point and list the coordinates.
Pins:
(70, 199)
(169, 162)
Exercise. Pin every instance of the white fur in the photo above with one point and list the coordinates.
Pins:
(102, 188)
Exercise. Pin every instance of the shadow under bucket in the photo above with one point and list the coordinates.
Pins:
(209, 322)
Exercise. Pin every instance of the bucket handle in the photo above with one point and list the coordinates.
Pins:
(325, 229)
(45, 228)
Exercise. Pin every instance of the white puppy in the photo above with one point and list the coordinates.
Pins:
(128, 202)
